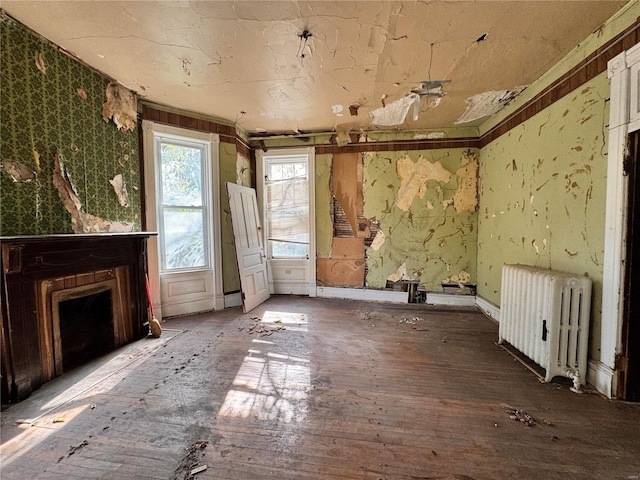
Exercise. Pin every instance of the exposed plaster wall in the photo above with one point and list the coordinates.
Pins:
(421, 236)
(228, 173)
(542, 195)
(51, 105)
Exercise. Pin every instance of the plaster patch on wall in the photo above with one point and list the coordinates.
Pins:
(400, 274)
(120, 188)
(414, 177)
(394, 113)
(429, 136)
(460, 278)
(488, 103)
(243, 171)
(40, 64)
(378, 240)
(36, 159)
(82, 222)
(18, 171)
(121, 106)
(466, 197)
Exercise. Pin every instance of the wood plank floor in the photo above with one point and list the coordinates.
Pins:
(348, 390)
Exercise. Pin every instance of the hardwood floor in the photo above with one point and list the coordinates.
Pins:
(347, 390)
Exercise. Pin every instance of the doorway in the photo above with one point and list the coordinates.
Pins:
(629, 380)
(286, 196)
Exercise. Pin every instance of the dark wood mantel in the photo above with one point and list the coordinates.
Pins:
(33, 266)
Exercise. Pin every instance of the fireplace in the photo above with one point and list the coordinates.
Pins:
(65, 300)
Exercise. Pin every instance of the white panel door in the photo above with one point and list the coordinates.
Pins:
(252, 264)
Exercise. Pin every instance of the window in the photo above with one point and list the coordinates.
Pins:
(182, 207)
(287, 205)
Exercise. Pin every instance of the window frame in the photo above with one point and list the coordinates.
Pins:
(206, 198)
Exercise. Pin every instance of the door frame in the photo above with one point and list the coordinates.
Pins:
(280, 268)
(624, 117)
(150, 131)
(629, 360)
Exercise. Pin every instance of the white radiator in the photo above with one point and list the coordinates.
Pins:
(545, 314)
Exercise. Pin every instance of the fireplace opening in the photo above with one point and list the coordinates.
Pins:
(86, 328)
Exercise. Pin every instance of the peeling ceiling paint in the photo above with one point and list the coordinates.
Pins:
(488, 103)
(286, 63)
(394, 113)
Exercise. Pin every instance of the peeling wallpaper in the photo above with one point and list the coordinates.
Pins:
(542, 195)
(421, 236)
(51, 104)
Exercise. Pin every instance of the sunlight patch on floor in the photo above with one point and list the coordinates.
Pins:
(271, 385)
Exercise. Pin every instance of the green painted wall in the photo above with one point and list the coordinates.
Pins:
(324, 226)
(228, 173)
(44, 112)
(434, 242)
(542, 194)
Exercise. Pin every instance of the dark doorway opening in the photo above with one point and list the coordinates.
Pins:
(86, 328)
(629, 380)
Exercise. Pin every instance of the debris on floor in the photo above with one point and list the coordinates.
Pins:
(521, 416)
(190, 464)
(73, 449)
(199, 469)
(412, 321)
(263, 329)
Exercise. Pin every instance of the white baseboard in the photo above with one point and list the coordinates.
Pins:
(601, 377)
(233, 300)
(488, 308)
(372, 295)
(451, 299)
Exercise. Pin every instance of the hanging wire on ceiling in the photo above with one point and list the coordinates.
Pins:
(304, 37)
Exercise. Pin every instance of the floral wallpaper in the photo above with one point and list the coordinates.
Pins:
(52, 104)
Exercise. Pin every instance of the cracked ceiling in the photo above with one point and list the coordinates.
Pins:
(285, 67)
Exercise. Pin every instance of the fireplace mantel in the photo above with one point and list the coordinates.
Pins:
(35, 266)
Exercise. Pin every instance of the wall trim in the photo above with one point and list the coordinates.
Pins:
(601, 377)
(371, 295)
(489, 309)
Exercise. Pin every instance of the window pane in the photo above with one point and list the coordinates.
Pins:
(183, 238)
(285, 249)
(181, 175)
(287, 189)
